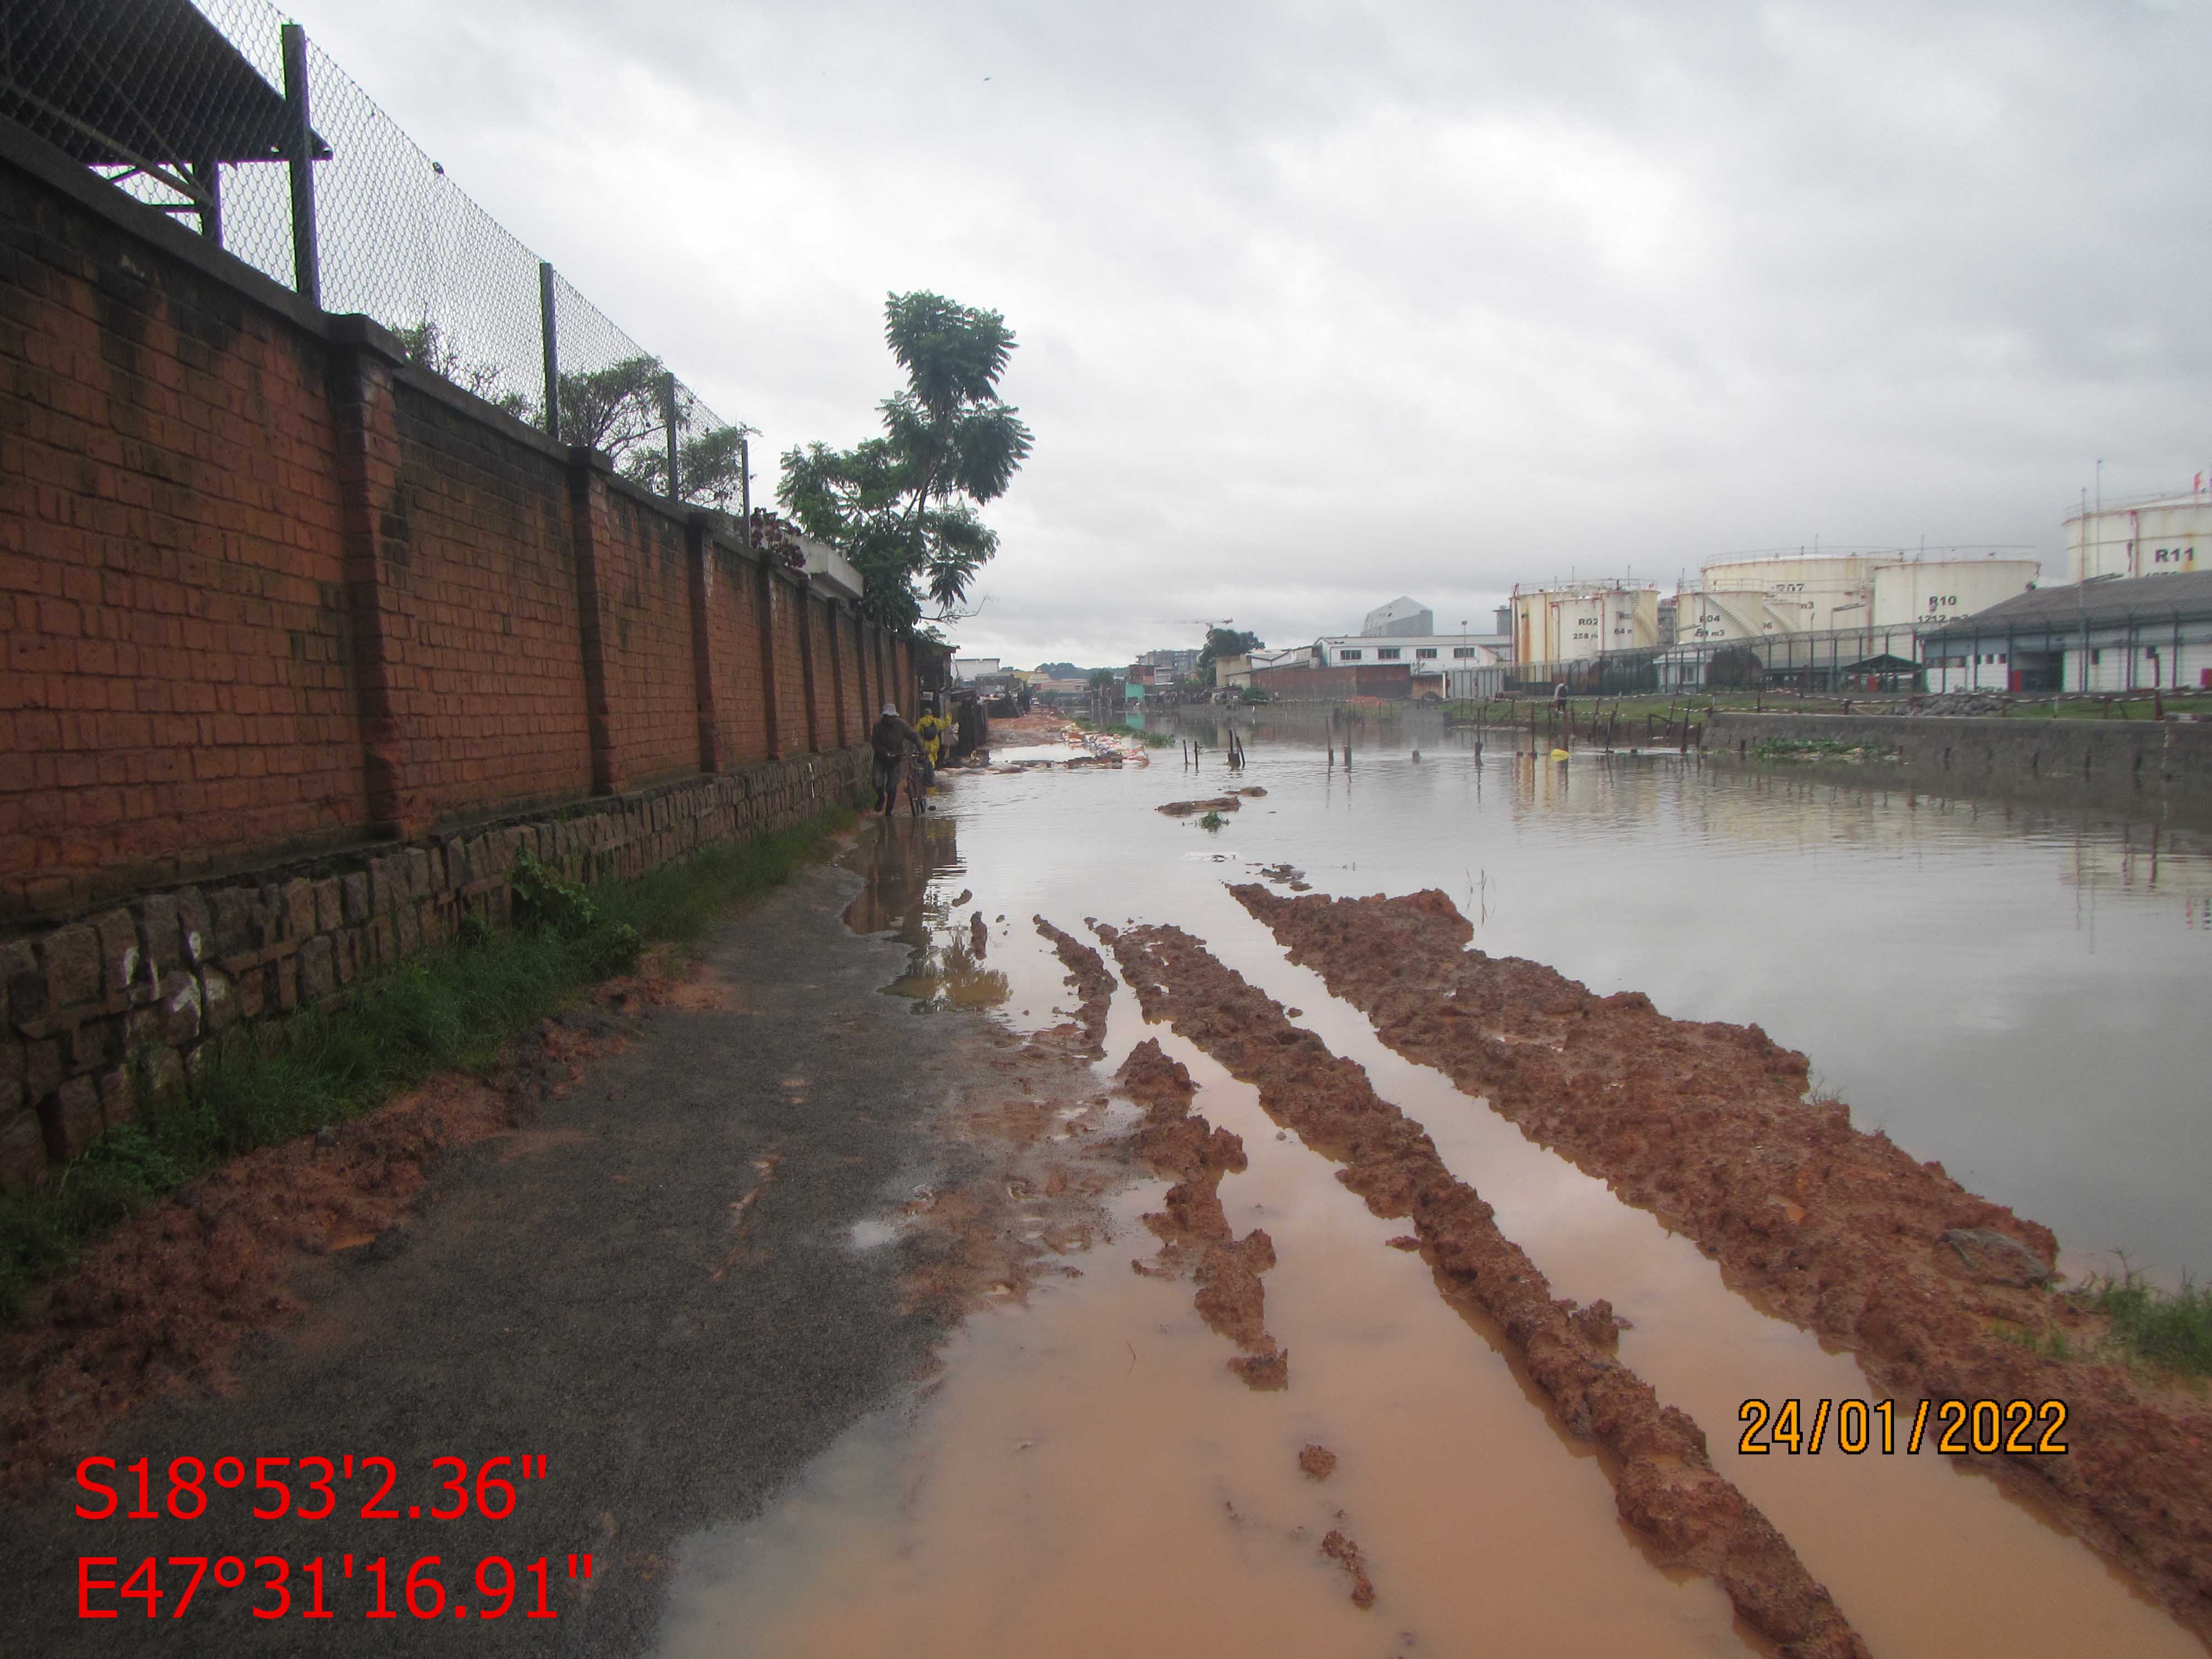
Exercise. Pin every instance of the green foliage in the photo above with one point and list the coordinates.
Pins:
(622, 410)
(1225, 642)
(429, 346)
(2167, 1328)
(1809, 748)
(1211, 821)
(901, 507)
(442, 1011)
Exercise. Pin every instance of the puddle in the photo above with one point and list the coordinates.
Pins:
(1085, 1476)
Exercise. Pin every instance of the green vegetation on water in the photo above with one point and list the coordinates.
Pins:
(446, 1009)
(1809, 749)
(1211, 821)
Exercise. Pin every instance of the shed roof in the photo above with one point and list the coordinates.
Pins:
(129, 83)
(2184, 594)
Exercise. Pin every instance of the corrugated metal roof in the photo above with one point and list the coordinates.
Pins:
(2185, 594)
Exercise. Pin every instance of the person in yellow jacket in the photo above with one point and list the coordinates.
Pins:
(931, 729)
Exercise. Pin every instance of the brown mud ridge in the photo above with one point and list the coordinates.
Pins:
(1664, 1484)
(1094, 987)
(1706, 1126)
(1184, 809)
(1177, 1144)
(163, 1300)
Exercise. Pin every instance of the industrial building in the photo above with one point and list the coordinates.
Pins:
(1403, 632)
(2150, 536)
(2111, 634)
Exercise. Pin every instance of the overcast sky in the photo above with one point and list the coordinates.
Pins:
(1319, 305)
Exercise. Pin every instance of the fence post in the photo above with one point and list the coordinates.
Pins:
(745, 485)
(668, 415)
(300, 139)
(548, 333)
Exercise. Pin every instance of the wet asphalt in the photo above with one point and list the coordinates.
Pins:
(596, 1291)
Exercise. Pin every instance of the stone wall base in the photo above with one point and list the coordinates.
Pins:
(98, 1010)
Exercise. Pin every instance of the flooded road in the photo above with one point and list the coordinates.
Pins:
(1084, 1476)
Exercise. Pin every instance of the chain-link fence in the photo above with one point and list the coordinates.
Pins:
(223, 115)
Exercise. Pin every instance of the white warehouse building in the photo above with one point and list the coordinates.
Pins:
(1405, 631)
(2114, 634)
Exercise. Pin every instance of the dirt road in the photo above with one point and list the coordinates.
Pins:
(652, 1287)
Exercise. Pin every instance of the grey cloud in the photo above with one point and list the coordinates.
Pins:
(1322, 305)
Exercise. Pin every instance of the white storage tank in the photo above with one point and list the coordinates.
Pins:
(1925, 593)
(2152, 538)
(1805, 592)
(1574, 622)
(1704, 615)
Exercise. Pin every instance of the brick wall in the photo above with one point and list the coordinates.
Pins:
(177, 682)
(267, 590)
(484, 649)
(789, 673)
(730, 596)
(646, 638)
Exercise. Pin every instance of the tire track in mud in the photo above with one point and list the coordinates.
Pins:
(1704, 1125)
(1665, 1487)
(1094, 987)
(1176, 1144)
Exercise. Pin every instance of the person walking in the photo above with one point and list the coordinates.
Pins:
(931, 729)
(888, 738)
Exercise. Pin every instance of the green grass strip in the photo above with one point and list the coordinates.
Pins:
(449, 1009)
(2166, 1327)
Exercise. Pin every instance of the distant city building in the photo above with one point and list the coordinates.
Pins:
(1403, 632)
(1231, 672)
(1403, 617)
(1574, 622)
(1176, 664)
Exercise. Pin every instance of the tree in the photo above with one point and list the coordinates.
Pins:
(622, 409)
(1102, 679)
(901, 507)
(1225, 642)
(427, 345)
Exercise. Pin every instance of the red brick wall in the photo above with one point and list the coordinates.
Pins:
(790, 681)
(266, 591)
(857, 711)
(485, 689)
(653, 691)
(816, 617)
(733, 642)
(176, 685)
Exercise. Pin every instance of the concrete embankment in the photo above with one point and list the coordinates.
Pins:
(2159, 767)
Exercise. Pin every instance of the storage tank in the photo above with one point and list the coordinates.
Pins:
(2140, 538)
(1923, 592)
(1805, 592)
(1704, 614)
(1574, 622)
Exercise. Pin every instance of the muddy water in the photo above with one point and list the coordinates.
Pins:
(1085, 1477)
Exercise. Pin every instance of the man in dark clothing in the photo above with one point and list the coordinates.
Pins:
(968, 723)
(889, 738)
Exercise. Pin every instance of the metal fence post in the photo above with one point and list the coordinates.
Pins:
(306, 265)
(668, 414)
(549, 334)
(746, 486)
